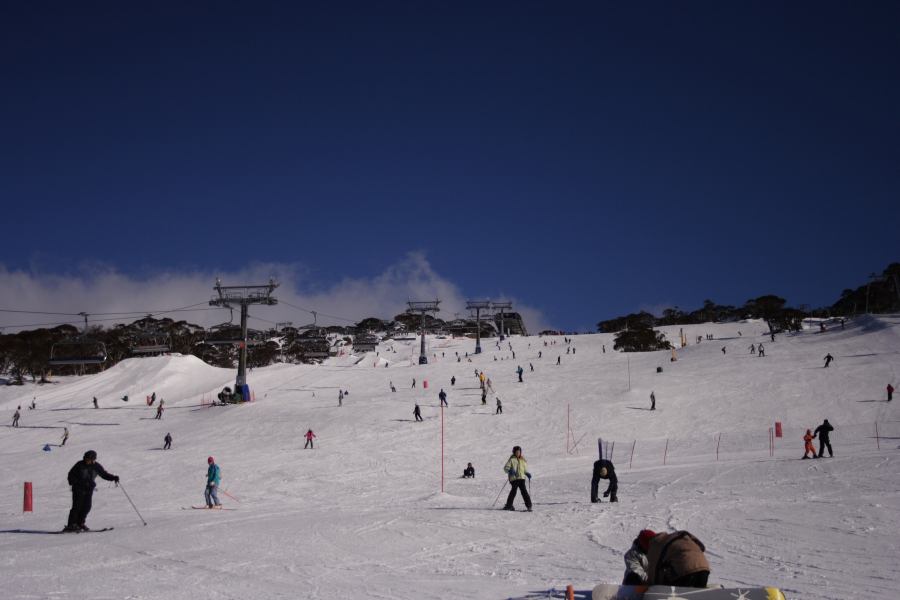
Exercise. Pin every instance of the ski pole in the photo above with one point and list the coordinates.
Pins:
(121, 487)
(498, 494)
(230, 496)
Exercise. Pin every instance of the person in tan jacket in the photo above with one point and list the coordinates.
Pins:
(677, 559)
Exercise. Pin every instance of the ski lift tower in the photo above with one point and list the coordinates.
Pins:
(478, 306)
(423, 307)
(501, 306)
(244, 296)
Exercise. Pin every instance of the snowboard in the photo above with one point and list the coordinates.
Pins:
(611, 591)
(606, 591)
(659, 592)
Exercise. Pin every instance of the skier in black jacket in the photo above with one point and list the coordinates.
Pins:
(81, 478)
(823, 432)
(603, 469)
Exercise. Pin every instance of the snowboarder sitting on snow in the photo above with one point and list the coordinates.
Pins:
(517, 470)
(808, 447)
(677, 559)
(469, 471)
(213, 479)
(603, 469)
(81, 478)
(636, 563)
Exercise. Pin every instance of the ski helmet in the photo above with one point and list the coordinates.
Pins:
(90, 455)
(210, 460)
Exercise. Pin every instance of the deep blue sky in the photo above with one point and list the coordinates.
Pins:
(588, 158)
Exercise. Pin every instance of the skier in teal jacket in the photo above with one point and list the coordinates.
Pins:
(213, 478)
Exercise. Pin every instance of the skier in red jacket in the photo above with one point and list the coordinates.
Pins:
(809, 448)
(309, 439)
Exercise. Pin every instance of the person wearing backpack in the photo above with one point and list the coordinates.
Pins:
(677, 559)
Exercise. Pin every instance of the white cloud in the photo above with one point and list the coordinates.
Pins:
(102, 289)
(656, 309)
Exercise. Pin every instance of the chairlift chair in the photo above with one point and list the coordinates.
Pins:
(152, 343)
(230, 334)
(78, 350)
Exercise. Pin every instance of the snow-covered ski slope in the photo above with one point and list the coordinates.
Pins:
(362, 515)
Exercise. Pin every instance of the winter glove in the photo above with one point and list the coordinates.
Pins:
(606, 494)
(115, 478)
(528, 475)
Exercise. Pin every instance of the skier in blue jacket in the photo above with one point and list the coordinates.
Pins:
(213, 478)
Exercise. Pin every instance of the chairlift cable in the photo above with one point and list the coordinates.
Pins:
(318, 313)
(261, 319)
(104, 314)
(58, 323)
(155, 312)
(37, 312)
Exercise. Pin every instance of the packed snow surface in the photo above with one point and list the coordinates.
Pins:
(363, 515)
